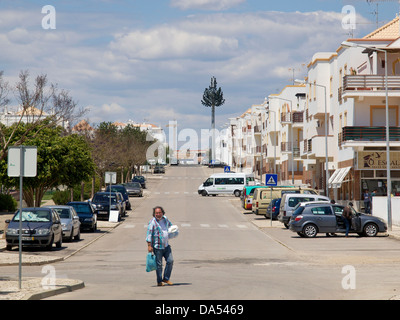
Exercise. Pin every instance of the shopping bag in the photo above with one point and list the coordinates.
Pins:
(151, 262)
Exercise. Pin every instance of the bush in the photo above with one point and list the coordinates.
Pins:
(7, 203)
(62, 197)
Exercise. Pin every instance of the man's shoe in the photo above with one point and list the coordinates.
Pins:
(168, 282)
(160, 284)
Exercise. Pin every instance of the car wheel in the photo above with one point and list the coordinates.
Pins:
(310, 231)
(301, 235)
(370, 230)
(204, 193)
(50, 245)
(71, 236)
(8, 247)
(237, 193)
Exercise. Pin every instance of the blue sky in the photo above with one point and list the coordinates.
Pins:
(151, 60)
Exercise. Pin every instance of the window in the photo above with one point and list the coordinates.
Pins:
(338, 210)
(321, 210)
(293, 201)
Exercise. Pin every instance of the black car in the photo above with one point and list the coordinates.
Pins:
(159, 169)
(41, 227)
(217, 164)
(273, 209)
(86, 214)
(121, 189)
(101, 204)
(141, 180)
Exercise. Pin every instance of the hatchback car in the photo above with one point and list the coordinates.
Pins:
(121, 189)
(71, 226)
(41, 227)
(134, 189)
(273, 209)
(101, 204)
(141, 180)
(86, 214)
(311, 218)
(159, 169)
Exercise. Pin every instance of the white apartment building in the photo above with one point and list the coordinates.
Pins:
(354, 81)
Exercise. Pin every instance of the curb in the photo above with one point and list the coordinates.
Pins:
(54, 292)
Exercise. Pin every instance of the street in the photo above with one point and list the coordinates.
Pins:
(224, 252)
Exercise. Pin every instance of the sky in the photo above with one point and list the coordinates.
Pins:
(150, 61)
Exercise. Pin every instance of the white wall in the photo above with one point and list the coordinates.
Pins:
(379, 209)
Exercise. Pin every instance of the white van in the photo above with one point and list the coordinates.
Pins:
(225, 183)
(290, 200)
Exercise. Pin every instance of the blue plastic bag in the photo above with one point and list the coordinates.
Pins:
(151, 262)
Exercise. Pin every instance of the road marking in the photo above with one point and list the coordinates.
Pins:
(129, 226)
(186, 225)
(222, 226)
(204, 225)
(241, 226)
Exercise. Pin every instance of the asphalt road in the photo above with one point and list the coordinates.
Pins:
(223, 253)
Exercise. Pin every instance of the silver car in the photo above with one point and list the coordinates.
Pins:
(71, 226)
(311, 218)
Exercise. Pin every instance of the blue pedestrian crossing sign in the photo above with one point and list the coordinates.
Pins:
(271, 180)
(227, 169)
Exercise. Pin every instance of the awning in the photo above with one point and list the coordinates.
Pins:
(335, 181)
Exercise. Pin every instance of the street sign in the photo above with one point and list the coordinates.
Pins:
(227, 169)
(27, 160)
(111, 177)
(271, 180)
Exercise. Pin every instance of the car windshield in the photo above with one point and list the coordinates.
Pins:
(139, 178)
(104, 198)
(133, 185)
(63, 213)
(81, 208)
(298, 211)
(34, 216)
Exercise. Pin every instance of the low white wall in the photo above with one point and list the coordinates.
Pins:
(379, 209)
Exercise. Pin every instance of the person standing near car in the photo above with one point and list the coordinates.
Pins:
(157, 242)
(367, 202)
(346, 217)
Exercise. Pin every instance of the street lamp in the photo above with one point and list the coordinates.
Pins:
(389, 181)
(291, 133)
(326, 135)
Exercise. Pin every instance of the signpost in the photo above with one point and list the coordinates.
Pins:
(111, 177)
(271, 180)
(22, 162)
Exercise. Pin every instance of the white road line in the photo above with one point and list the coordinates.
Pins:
(129, 226)
(241, 226)
(186, 225)
(204, 225)
(223, 226)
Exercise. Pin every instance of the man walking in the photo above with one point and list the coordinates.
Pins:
(157, 242)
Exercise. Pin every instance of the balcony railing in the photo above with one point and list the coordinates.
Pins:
(292, 117)
(370, 82)
(368, 134)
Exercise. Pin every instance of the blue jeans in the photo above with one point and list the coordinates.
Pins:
(347, 224)
(167, 255)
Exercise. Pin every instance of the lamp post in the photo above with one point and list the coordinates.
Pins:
(326, 134)
(291, 105)
(389, 181)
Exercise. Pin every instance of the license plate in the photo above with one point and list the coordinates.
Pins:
(103, 212)
(28, 238)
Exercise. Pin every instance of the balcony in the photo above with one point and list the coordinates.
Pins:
(295, 117)
(372, 85)
(368, 135)
(290, 147)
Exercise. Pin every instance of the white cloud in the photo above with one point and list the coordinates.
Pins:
(166, 42)
(214, 5)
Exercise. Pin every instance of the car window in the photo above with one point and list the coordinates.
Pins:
(321, 210)
(298, 211)
(34, 216)
(338, 209)
(294, 201)
(63, 213)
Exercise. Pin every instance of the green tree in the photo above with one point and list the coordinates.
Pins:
(213, 97)
(61, 160)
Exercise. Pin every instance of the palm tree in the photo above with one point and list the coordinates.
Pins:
(213, 97)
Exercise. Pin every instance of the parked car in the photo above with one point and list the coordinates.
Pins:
(134, 188)
(311, 218)
(71, 226)
(120, 188)
(273, 209)
(141, 180)
(41, 227)
(216, 164)
(159, 169)
(101, 204)
(289, 202)
(86, 214)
